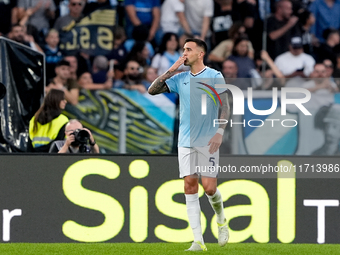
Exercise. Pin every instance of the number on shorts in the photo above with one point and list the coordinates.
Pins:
(212, 159)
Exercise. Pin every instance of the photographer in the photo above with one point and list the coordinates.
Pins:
(76, 141)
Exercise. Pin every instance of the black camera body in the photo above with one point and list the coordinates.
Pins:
(81, 138)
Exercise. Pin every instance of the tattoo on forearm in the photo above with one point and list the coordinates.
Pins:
(225, 110)
(158, 86)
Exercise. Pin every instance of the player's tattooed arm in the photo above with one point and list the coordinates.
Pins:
(158, 86)
(225, 109)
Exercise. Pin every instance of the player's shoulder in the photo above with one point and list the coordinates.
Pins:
(181, 75)
(213, 72)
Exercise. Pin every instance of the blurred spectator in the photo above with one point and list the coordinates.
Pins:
(306, 21)
(76, 7)
(38, 12)
(52, 53)
(320, 82)
(99, 69)
(118, 53)
(261, 7)
(62, 81)
(239, 55)
(268, 60)
(85, 81)
(229, 71)
(327, 13)
(295, 63)
(6, 9)
(70, 144)
(199, 14)
(336, 72)
(140, 33)
(326, 49)
(92, 6)
(327, 119)
(254, 27)
(143, 12)
(181, 41)
(280, 28)
(132, 79)
(223, 50)
(140, 54)
(223, 19)
(272, 71)
(73, 69)
(48, 124)
(167, 54)
(172, 17)
(329, 68)
(150, 74)
(18, 34)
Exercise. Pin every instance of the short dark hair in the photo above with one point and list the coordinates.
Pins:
(63, 62)
(328, 32)
(199, 43)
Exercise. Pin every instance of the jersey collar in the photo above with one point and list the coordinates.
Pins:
(205, 68)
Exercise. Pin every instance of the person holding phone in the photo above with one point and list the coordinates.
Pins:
(295, 63)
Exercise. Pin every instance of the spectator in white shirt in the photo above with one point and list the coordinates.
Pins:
(295, 63)
(172, 17)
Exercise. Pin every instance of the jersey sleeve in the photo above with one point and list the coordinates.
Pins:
(219, 79)
(173, 82)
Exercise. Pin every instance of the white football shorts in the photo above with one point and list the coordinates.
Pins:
(198, 160)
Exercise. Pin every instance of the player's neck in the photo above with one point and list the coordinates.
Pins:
(194, 69)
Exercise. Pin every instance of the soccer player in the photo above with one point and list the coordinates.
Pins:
(199, 140)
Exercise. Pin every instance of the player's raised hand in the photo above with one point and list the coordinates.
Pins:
(215, 143)
(178, 63)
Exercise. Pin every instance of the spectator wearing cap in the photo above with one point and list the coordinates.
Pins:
(327, 13)
(280, 28)
(326, 49)
(295, 63)
(62, 81)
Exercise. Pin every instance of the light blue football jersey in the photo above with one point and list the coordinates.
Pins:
(195, 129)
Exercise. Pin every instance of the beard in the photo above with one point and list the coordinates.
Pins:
(19, 38)
(134, 77)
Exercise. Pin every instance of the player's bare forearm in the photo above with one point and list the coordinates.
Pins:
(225, 109)
(158, 86)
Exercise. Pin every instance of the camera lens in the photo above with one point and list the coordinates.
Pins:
(82, 136)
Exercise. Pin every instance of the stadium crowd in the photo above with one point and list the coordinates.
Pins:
(149, 36)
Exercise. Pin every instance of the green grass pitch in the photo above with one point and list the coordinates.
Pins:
(164, 248)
